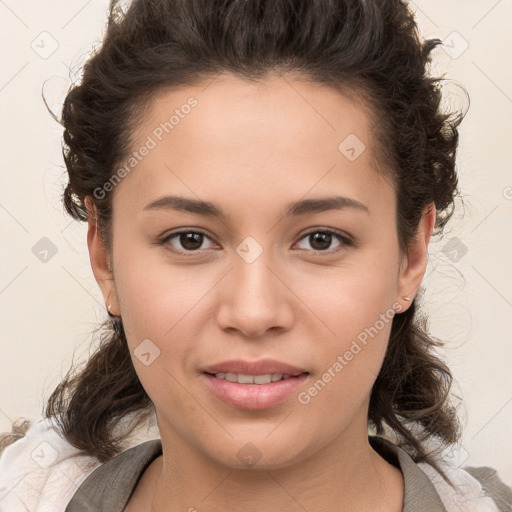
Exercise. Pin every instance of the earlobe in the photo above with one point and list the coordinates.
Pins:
(415, 261)
(100, 260)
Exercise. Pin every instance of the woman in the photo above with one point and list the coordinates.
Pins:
(261, 181)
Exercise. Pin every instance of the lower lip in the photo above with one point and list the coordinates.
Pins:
(254, 396)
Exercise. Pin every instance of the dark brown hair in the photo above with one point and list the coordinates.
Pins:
(368, 49)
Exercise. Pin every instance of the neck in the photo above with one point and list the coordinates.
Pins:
(347, 474)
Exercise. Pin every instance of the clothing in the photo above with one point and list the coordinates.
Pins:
(43, 473)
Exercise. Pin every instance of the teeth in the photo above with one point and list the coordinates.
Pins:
(262, 379)
(245, 379)
(252, 379)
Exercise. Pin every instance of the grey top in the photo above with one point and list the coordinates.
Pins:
(109, 487)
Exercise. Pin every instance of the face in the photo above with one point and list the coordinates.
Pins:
(313, 286)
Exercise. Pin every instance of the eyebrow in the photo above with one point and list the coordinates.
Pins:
(301, 207)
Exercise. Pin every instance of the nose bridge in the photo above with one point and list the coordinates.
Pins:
(252, 262)
(254, 278)
(256, 299)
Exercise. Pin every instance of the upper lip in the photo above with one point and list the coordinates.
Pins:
(261, 367)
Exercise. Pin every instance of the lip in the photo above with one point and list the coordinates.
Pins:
(261, 367)
(254, 396)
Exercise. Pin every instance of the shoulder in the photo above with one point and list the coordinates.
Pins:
(41, 471)
(41, 468)
(113, 482)
(493, 486)
(475, 488)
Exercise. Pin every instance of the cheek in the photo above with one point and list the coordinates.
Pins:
(350, 363)
(160, 308)
(352, 297)
(158, 299)
(356, 308)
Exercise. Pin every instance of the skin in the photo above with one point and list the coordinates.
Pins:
(253, 147)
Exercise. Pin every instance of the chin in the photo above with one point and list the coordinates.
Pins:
(257, 453)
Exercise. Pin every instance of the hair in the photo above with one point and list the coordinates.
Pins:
(367, 49)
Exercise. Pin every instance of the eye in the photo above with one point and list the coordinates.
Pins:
(190, 241)
(321, 239)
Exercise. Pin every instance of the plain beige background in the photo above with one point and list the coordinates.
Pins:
(49, 308)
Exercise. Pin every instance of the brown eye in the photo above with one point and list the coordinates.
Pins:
(321, 240)
(190, 241)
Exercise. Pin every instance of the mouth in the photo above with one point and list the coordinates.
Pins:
(252, 369)
(253, 392)
(241, 378)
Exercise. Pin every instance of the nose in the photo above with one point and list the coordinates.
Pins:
(255, 299)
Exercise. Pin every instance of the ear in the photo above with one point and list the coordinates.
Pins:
(414, 264)
(100, 260)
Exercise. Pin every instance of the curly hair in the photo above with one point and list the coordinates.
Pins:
(368, 49)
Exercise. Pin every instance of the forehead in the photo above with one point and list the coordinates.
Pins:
(230, 133)
(227, 106)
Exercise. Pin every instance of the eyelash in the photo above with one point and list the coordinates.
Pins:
(346, 241)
